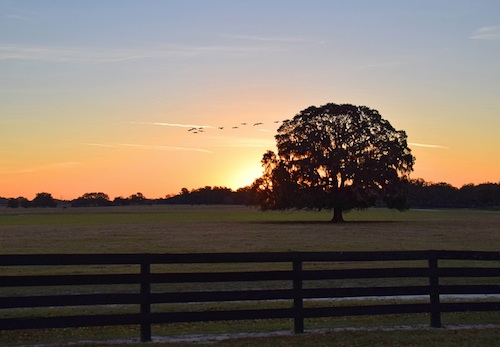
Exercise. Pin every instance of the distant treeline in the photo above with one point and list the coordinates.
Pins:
(421, 194)
(201, 196)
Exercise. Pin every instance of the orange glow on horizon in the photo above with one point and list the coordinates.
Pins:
(243, 176)
(215, 158)
(161, 160)
(70, 183)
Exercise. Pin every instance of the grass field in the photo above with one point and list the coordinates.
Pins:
(186, 229)
(174, 229)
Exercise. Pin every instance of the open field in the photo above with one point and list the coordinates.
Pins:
(186, 229)
(175, 229)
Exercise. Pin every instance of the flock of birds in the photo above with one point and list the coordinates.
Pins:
(196, 130)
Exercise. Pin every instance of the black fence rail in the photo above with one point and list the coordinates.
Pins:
(157, 287)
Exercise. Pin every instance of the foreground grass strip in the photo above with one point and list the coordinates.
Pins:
(398, 337)
(229, 333)
(462, 335)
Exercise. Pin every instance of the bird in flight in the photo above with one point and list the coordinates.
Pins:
(258, 123)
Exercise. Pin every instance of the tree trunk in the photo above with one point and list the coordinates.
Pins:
(337, 215)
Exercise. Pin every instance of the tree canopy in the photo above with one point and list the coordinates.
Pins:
(44, 200)
(92, 199)
(336, 157)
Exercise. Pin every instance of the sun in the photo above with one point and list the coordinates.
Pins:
(243, 175)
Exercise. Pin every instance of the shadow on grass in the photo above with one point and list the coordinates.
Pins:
(345, 223)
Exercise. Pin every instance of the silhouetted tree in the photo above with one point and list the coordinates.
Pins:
(434, 195)
(121, 201)
(336, 157)
(482, 195)
(138, 199)
(443, 195)
(211, 196)
(24, 202)
(44, 200)
(13, 203)
(92, 199)
(244, 196)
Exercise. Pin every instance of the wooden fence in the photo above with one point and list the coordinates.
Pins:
(48, 282)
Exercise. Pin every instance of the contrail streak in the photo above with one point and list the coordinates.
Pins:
(150, 147)
(166, 148)
(427, 146)
(174, 125)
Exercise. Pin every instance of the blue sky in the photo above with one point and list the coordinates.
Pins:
(99, 95)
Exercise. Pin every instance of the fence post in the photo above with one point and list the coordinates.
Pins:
(298, 305)
(145, 300)
(434, 290)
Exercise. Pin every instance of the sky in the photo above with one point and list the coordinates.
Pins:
(100, 95)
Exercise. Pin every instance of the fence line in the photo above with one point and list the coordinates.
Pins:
(308, 275)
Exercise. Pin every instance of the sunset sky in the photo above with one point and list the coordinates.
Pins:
(98, 96)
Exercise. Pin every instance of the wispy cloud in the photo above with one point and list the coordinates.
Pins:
(101, 145)
(173, 125)
(382, 62)
(241, 142)
(487, 33)
(165, 148)
(275, 39)
(51, 166)
(427, 145)
(16, 17)
(84, 54)
(149, 147)
(98, 55)
(252, 143)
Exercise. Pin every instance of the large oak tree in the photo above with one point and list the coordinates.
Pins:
(336, 157)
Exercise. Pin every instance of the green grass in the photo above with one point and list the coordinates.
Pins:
(175, 229)
(187, 229)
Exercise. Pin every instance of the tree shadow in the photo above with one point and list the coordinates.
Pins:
(354, 222)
